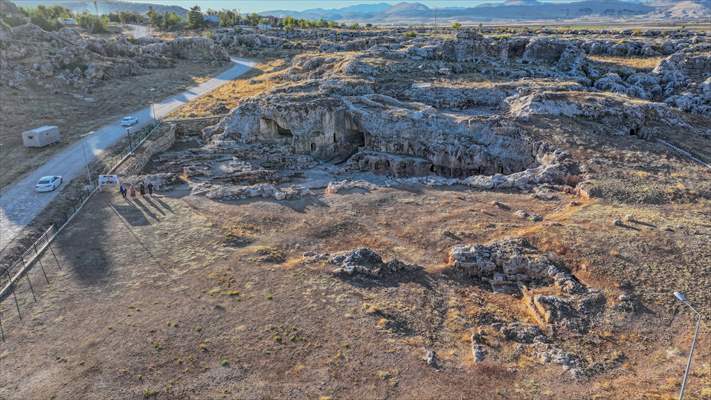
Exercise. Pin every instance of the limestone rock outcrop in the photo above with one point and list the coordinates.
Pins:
(366, 262)
(507, 264)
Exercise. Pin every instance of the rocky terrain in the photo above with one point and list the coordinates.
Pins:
(68, 57)
(79, 81)
(458, 110)
(399, 214)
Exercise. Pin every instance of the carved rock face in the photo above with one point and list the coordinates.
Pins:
(403, 139)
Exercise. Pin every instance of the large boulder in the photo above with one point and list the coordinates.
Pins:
(366, 262)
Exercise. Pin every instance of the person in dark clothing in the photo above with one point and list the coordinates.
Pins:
(142, 189)
(150, 188)
(122, 190)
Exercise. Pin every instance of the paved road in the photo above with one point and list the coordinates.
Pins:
(20, 204)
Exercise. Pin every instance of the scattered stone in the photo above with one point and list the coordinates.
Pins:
(431, 359)
(521, 214)
(617, 222)
(364, 261)
(500, 205)
(478, 353)
(529, 216)
(340, 186)
(522, 333)
(312, 256)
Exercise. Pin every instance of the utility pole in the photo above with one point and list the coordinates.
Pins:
(87, 160)
(130, 145)
(681, 297)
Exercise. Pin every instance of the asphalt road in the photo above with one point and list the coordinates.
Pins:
(20, 204)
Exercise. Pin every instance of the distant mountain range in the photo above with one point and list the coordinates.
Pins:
(105, 6)
(415, 13)
(509, 10)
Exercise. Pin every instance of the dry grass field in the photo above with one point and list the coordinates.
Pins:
(639, 63)
(231, 94)
(180, 297)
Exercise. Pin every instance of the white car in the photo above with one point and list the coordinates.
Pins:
(48, 183)
(129, 121)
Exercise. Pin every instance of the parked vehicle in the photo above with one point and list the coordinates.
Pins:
(48, 183)
(129, 121)
(42, 136)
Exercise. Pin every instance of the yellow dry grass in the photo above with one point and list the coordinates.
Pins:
(233, 93)
(633, 62)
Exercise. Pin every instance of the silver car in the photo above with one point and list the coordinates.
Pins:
(129, 121)
(48, 183)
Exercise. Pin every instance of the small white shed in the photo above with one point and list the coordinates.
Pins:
(42, 136)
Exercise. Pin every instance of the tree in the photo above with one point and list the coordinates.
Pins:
(253, 19)
(155, 19)
(457, 26)
(92, 23)
(195, 18)
(228, 18)
(171, 21)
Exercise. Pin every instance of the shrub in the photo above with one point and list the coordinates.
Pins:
(13, 20)
(93, 24)
(44, 23)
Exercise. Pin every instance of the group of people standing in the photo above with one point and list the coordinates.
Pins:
(132, 190)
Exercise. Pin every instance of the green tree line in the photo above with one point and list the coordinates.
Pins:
(51, 18)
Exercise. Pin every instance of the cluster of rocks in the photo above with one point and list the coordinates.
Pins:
(236, 40)
(507, 265)
(30, 53)
(347, 184)
(634, 48)
(242, 192)
(366, 262)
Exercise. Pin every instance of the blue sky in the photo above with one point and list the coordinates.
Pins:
(264, 5)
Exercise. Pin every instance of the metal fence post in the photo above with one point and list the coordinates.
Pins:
(55, 257)
(29, 282)
(39, 260)
(17, 305)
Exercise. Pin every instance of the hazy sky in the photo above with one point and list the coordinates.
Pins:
(264, 5)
